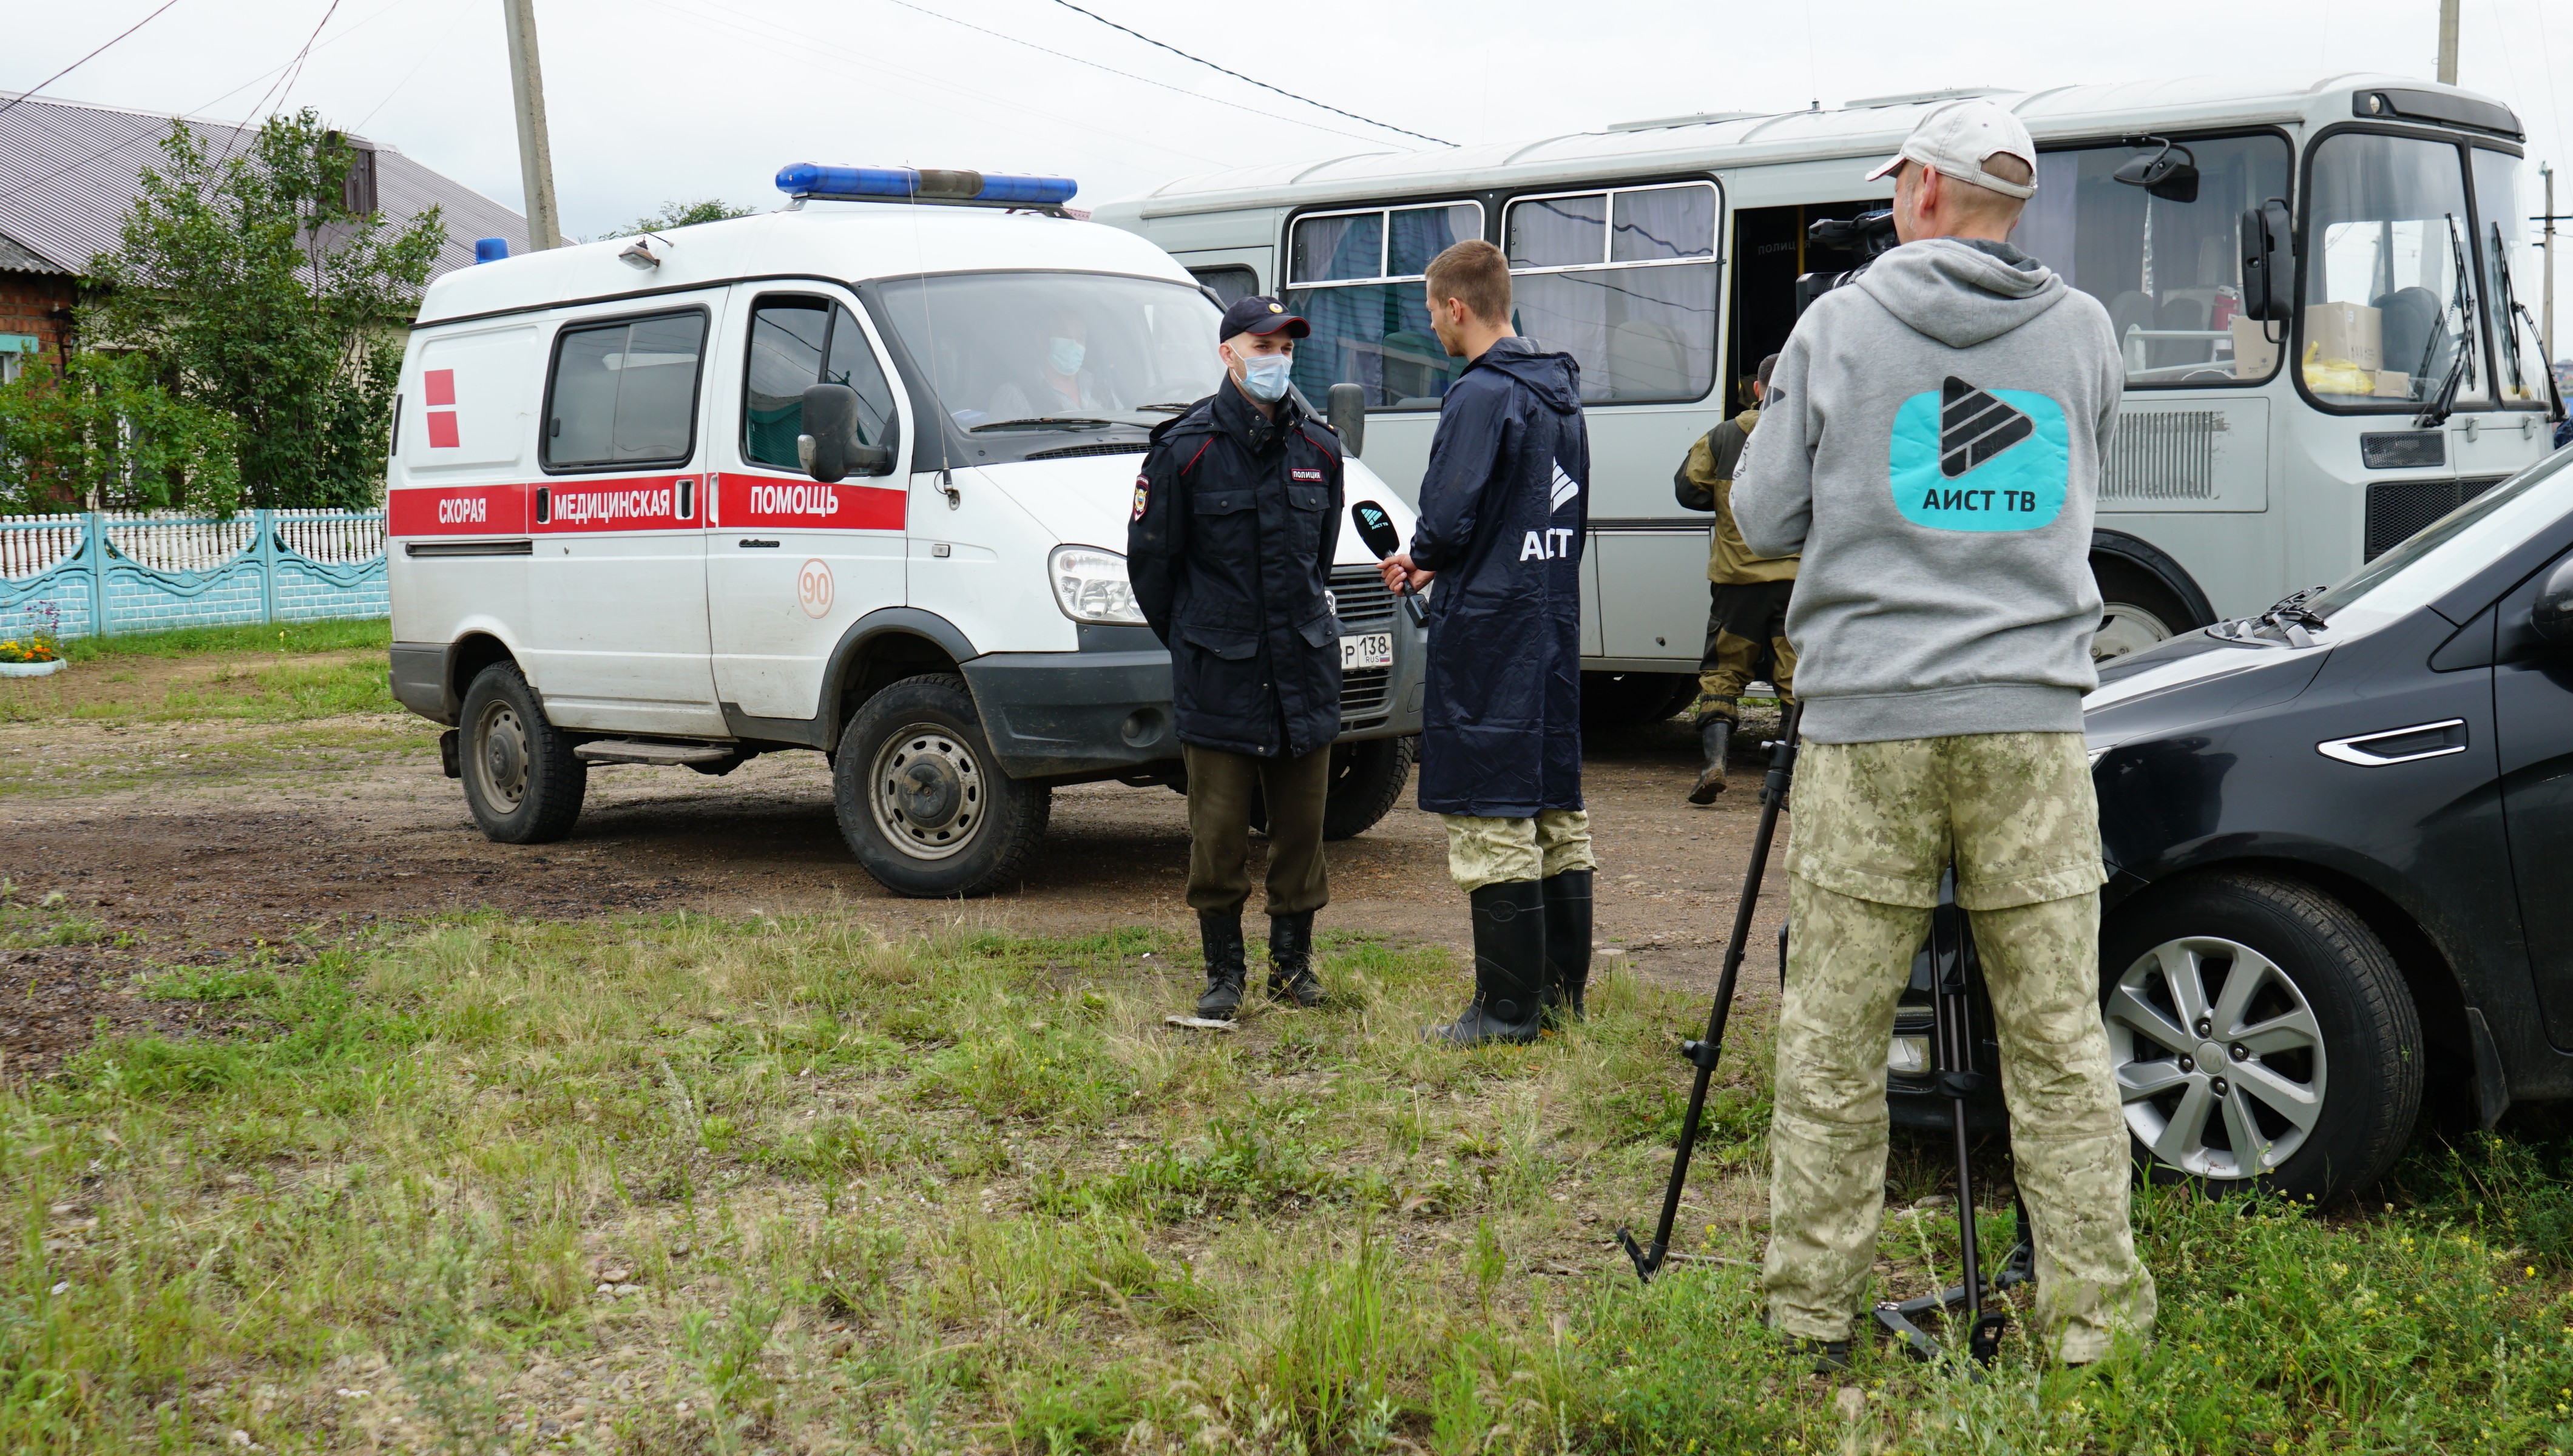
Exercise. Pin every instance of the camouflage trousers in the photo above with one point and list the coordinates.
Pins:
(1485, 851)
(1744, 620)
(1875, 823)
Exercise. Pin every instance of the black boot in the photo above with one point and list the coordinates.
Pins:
(1291, 960)
(1222, 937)
(1717, 739)
(1567, 944)
(1509, 966)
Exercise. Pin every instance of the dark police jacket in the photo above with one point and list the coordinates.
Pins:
(1503, 509)
(1236, 520)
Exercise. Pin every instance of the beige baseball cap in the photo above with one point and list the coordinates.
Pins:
(1956, 137)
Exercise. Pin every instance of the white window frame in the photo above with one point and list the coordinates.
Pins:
(1608, 229)
(1383, 242)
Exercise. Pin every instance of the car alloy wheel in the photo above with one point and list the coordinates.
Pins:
(928, 792)
(2218, 1056)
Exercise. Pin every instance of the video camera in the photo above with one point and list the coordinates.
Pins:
(1870, 236)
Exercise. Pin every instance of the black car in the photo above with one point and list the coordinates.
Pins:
(2339, 840)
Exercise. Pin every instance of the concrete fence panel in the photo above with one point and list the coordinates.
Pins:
(103, 572)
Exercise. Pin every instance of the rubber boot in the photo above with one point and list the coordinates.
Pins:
(1222, 937)
(1567, 944)
(1291, 960)
(1717, 739)
(1509, 966)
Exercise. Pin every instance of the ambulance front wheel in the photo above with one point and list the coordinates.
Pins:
(520, 778)
(922, 802)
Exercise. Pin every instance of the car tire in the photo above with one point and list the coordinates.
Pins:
(1368, 780)
(2136, 611)
(2304, 1080)
(922, 802)
(520, 778)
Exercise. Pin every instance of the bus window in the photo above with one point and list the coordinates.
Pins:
(2511, 268)
(2169, 273)
(1357, 278)
(1624, 281)
(2389, 290)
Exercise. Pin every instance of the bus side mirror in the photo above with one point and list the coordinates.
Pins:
(2552, 616)
(1346, 414)
(2268, 262)
(828, 450)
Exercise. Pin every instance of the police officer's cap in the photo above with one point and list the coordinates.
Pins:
(1257, 315)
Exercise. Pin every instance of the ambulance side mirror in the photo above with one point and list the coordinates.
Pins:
(1346, 414)
(828, 450)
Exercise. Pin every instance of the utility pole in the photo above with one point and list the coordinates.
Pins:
(2447, 42)
(2546, 255)
(535, 154)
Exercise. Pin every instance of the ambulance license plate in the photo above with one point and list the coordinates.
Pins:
(1367, 649)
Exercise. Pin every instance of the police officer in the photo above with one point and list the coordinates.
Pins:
(1237, 518)
(1747, 595)
(1503, 509)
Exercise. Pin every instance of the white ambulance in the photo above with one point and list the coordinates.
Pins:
(852, 477)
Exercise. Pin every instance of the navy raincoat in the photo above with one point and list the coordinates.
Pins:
(1504, 507)
(1236, 520)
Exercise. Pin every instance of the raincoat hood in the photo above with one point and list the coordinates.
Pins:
(1555, 378)
(1961, 292)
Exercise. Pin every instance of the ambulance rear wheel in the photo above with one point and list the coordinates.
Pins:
(520, 778)
(922, 802)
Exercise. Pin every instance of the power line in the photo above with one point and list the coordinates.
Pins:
(92, 56)
(214, 174)
(1237, 76)
(1127, 74)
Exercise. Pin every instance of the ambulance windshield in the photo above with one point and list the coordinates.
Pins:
(1027, 363)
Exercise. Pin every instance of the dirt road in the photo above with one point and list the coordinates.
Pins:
(200, 842)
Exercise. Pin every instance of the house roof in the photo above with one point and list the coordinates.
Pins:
(69, 171)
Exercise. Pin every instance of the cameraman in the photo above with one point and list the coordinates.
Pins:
(1931, 445)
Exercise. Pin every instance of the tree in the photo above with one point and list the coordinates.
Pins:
(678, 215)
(260, 295)
(104, 432)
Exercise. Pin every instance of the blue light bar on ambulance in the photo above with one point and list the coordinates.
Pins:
(878, 184)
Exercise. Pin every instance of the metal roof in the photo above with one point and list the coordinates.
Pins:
(69, 171)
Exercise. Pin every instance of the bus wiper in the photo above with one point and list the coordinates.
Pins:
(2515, 314)
(2461, 369)
(1047, 421)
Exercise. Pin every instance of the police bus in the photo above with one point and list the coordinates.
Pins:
(2369, 372)
(851, 477)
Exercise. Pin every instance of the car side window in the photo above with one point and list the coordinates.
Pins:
(796, 341)
(624, 392)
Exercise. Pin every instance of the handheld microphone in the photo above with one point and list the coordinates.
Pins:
(1377, 530)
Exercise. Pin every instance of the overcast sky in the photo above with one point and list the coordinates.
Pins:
(658, 100)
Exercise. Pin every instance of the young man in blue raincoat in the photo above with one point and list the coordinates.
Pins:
(1503, 509)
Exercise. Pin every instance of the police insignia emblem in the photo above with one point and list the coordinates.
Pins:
(1142, 494)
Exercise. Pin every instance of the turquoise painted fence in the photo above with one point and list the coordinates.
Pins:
(104, 572)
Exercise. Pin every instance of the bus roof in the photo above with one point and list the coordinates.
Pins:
(849, 242)
(1872, 129)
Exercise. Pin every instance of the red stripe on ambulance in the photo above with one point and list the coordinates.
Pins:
(458, 511)
(751, 501)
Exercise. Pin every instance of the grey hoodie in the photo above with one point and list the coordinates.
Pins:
(1931, 446)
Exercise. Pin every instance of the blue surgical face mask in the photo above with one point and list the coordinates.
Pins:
(1263, 377)
(1065, 354)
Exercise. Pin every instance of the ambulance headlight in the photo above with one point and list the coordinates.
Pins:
(1090, 586)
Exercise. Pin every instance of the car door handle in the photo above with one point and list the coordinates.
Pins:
(2398, 745)
(748, 542)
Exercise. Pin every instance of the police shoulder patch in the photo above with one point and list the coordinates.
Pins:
(1143, 496)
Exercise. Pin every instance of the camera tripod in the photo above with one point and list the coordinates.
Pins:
(1951, 966)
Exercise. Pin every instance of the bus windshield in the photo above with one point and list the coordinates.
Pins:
(2167, 270)
(2389, 273)
(1024, 364)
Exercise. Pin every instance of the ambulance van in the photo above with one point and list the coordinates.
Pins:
(851, 476)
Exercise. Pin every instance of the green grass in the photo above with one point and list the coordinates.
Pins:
(968, 1193)
(290, 638)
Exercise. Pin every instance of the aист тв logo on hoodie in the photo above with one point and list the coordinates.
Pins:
(1970, 459)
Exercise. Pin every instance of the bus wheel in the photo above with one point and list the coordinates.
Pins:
(520, 778)
(921, 801)
(2135, 612)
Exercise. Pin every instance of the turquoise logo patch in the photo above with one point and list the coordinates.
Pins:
(1970, 459)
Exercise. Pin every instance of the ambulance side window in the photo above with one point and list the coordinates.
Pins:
(791, 341)
(624, 392)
